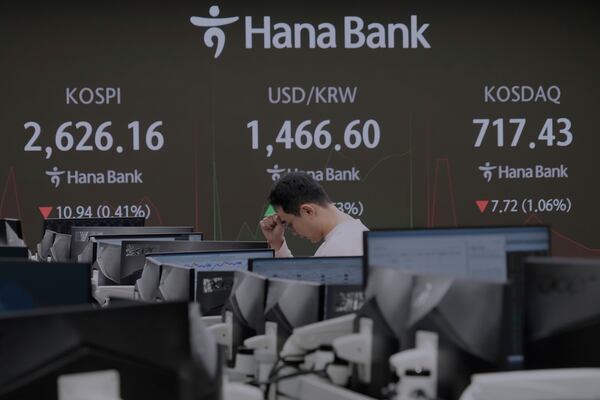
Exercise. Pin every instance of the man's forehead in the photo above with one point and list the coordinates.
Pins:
(282, 214)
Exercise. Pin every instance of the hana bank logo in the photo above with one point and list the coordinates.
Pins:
(54, 175)
(487, 171)
(214, 36)
(348, 32)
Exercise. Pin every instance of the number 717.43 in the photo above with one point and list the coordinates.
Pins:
(510, 131)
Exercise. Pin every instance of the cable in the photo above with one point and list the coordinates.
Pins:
(275, 370)
(320, 372)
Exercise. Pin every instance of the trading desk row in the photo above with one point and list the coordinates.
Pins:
(465, 313)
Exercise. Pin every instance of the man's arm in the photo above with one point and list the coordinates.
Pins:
(283, 251)
(273, 230)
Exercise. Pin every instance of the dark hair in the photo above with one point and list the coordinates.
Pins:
(294, 189)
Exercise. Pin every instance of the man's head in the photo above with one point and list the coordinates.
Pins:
(294, 189)
(300, 203)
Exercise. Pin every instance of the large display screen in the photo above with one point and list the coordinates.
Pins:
(411, 114)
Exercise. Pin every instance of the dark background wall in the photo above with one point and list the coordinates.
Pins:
(422, 170)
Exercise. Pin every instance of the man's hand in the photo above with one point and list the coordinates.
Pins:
(273, 229)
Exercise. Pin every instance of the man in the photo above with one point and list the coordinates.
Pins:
(302, 206)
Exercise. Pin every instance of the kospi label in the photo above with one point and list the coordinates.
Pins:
(266, 33)
(88, 95)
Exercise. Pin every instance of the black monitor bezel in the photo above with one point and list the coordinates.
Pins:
(175, 230)
(144, 235)
(208, 252)
(75, 221)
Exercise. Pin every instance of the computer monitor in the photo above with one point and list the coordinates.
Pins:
(482, 253)
(205, 277)
(148, 345)
(108, 254)
(28, 284)
(147, 285)
(14, 252)
(11, 233)
(133, 252)
(466, 314)
(342, 277)
(245, 309)
(494, 254)
(562, 303)
(291, 304)
(384, 316)
(80, 235)
(468, 317)
(214, 279)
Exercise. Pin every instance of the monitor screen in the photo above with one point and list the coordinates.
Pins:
(28, 285)
(213, 289)
(327, 270)
(482, 253)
